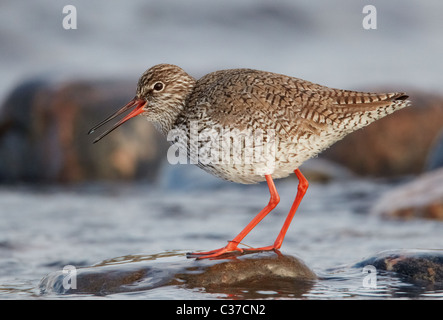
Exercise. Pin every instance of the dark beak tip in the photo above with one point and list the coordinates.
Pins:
(136, 102)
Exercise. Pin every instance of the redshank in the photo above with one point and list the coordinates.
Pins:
(297, 118)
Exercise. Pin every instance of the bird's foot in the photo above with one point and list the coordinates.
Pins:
(231, 249)
(268, 248)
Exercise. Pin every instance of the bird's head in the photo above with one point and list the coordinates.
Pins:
(161, 95)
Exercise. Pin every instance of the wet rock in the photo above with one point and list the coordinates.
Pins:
(420, 198)
(396, 145)
(423, 267)
(43, 134)
(244, 276)
(253, 272)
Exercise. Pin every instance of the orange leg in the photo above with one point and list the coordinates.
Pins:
(233, 244)
(274, 200)
(303, 185)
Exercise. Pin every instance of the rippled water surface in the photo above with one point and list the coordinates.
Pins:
(43, 229)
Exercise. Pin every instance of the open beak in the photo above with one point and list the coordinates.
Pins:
(135, 103)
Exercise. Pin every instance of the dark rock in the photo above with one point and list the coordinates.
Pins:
(420, 198)
(243, 276)
(253, 272)
(396, 145)
(43, 134)
(424, 267)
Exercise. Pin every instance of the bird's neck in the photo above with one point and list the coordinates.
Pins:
(171, 114)
(167, 122)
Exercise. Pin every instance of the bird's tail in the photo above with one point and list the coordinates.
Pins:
(355, 110)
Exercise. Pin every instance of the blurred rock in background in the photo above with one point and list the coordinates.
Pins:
(435, 158)
(420, 198)
(43, 134)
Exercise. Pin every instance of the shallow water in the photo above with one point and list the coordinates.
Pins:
(43, 229)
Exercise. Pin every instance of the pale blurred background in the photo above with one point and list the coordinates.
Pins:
(321, 41)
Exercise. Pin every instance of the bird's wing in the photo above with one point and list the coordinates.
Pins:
(262, 100)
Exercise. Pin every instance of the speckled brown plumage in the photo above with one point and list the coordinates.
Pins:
(306, 117)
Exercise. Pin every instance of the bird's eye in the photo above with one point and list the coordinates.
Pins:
(158, 86)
